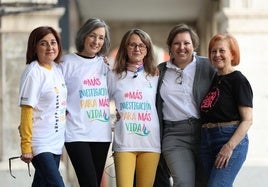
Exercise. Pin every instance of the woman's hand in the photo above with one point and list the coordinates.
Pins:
(27, 157)
(223, 156)
(226, 151)
(118, 116)
(105, 59)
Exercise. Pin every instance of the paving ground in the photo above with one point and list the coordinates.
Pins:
(254, 172)
(249, 176)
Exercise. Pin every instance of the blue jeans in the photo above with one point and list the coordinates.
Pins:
(212, 141)
(47, 170)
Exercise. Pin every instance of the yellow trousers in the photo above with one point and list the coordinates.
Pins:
(143, 163)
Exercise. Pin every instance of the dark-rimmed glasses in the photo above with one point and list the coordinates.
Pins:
(141, 46)
(10, 170)
(179, 76)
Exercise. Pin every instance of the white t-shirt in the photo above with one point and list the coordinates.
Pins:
(88, 106)
(179, 103)
(138, 127)
(45, 91)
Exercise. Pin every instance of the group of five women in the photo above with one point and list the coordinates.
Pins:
(196, 115)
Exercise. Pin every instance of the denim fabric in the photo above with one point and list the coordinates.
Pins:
(47, 170)
(211, 142)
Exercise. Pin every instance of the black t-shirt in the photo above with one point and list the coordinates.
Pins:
(227, 92)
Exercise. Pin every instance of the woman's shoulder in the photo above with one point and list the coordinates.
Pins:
(162, 65)
(202, 60)
(69, 56)
(237, 79)
(237, 75)
(31, 68)
(70, 61)
(33, 71)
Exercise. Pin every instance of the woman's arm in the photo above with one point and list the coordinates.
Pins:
(226, 151)
(25, 130)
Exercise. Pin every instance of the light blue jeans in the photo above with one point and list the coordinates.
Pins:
(211, 142)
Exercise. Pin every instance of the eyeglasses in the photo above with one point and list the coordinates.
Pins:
(179, 76)
(141, 46)
(10, 170)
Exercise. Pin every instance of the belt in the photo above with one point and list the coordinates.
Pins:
(213, 125)
(186, 121)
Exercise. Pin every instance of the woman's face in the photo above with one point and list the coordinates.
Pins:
(94, 42)
(47, 49)
(221, 56)
(182, 48)
(136, 49)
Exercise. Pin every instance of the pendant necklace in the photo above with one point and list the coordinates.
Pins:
(220, 78)
(135, 69)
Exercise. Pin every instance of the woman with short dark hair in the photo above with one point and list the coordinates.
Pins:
(183, 82)
(42, 100)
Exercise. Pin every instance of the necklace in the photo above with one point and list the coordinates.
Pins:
(135, 69)
(219, 79)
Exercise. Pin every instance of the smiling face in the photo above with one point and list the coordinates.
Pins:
(136, 49)
(182, 49)
(47, 49)
(93, 42)
(221, 56)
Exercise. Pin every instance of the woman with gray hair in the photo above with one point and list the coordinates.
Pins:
(88, 131)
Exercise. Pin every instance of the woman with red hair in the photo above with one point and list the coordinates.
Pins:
(226, 112)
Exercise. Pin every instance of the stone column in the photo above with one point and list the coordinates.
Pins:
(15, 29)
